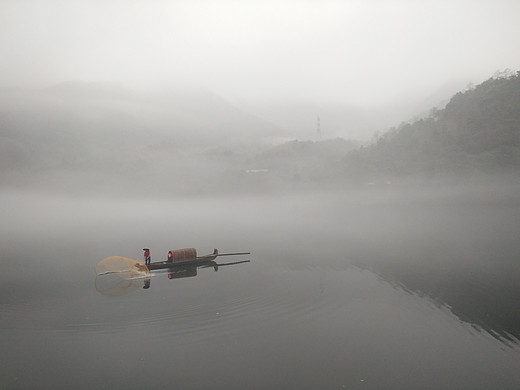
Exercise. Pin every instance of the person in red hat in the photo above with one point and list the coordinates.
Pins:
(147, 256)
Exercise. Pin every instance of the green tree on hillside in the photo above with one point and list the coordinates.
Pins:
(477, 132)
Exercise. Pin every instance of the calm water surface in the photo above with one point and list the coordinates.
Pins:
(362, 290)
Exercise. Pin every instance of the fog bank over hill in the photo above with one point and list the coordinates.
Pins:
(104, 137)
(79, 134)
(299, 117)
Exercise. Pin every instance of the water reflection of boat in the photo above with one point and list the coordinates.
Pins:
(118, 275)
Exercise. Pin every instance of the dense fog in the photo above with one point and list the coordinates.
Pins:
(366, 156)
(367, 54)
(107, 139)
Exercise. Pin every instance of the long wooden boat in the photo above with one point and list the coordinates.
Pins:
(187, 257)
(117, 275)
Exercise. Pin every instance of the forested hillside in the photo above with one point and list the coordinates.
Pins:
(478, 132)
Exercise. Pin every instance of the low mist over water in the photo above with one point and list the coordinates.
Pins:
(374, 288)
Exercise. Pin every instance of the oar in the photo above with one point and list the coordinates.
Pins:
(219, 265)
(233, 254)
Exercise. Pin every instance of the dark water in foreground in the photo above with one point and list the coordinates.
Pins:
(372, 290)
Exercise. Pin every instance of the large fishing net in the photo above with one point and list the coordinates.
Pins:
(117, 275)
(119, 264)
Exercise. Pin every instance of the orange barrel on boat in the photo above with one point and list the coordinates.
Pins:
(181, 255)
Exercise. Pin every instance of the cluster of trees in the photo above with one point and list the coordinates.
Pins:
(478, 132)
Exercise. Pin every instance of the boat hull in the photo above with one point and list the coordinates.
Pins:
(199, 261)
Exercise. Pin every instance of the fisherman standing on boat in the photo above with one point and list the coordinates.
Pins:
(147, 257)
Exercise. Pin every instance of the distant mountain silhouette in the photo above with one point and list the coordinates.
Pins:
(78, 133)
(83, 135)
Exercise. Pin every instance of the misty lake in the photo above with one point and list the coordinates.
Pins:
(379, 288)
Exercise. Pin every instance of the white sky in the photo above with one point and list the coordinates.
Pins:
(364, 52)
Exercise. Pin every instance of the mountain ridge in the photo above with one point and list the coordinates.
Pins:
(477, 132)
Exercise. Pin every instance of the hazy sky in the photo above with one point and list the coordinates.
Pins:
(365, 52)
